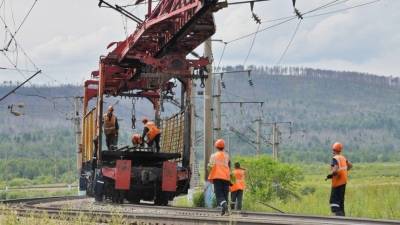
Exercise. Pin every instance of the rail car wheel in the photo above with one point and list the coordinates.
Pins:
(161, 199)
(134, 200)
(117, 196)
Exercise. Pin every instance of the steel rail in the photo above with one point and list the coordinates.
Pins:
(139, 214)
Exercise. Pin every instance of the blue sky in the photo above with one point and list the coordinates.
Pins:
(66, 38)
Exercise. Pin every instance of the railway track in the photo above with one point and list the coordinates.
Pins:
(72, 207)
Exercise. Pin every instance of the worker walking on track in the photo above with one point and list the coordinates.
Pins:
(153, 134)
(111, 128)
(339, 167)
(219, 175)
(237, 187)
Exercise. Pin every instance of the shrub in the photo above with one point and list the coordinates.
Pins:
(268, 180)
(19, 182)
(198, 199)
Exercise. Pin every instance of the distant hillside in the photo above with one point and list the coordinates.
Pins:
(361, 110)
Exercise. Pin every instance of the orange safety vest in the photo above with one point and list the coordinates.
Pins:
(109, 124)
(219, 163)
(341, 177)
(239, 184)
(153, 130)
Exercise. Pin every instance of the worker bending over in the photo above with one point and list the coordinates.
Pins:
(219, 175)
(237, 187)
(339, 167)
(111, 127)
(136, 140)
(152, 132)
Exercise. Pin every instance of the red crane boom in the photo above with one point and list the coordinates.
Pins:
(157, 50)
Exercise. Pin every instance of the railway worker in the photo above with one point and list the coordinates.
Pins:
(111, 128)
(136, 140)
(339, 167)
(152, 132)
(219, 175)
(237, 187)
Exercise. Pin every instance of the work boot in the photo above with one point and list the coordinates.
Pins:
(224, 209)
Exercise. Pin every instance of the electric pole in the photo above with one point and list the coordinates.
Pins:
(276, 137)
(218, 110)
(208, 119)
(258, 130)
(194, 182)
(275, 141)
(76, 119)
(258, 135)
(77, 123)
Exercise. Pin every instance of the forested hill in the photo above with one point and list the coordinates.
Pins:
(358, 109)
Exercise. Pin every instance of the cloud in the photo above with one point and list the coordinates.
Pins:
(361, 39)
(73, 48)
(66, 38)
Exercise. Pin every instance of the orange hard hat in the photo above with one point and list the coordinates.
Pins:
(337, 147)
(145, 120)
(136, 139)
(220, 144)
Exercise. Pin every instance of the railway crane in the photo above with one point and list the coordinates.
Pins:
(141, 66)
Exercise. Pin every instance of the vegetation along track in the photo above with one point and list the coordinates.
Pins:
(63, 207)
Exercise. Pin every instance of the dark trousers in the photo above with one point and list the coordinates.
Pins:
(221, 189)
(111, 141)
(155, 141)
(337, 200)
(236, 199)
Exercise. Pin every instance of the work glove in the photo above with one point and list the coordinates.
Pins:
(329, 176)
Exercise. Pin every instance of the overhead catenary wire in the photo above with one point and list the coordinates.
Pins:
(289, 44)
(343, 9)
(20, 48)
(250, 1)
(285, 20)
(251, 46)
(20, 85)
(290, 18)
(23, 21)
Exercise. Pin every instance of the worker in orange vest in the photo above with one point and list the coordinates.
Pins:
(237, 187)
(219, 175)
(152, 132)
(339, 167)
(111, 127)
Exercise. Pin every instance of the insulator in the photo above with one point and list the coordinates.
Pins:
(251, 83)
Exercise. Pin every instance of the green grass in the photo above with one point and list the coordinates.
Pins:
(15, 194)
(373, 191)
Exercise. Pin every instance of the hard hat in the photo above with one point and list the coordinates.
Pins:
(110, 108)
(220, 144)
(337, 147)
(136, 139)
(145, 120)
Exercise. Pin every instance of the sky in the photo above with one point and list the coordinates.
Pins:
(66, 38)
